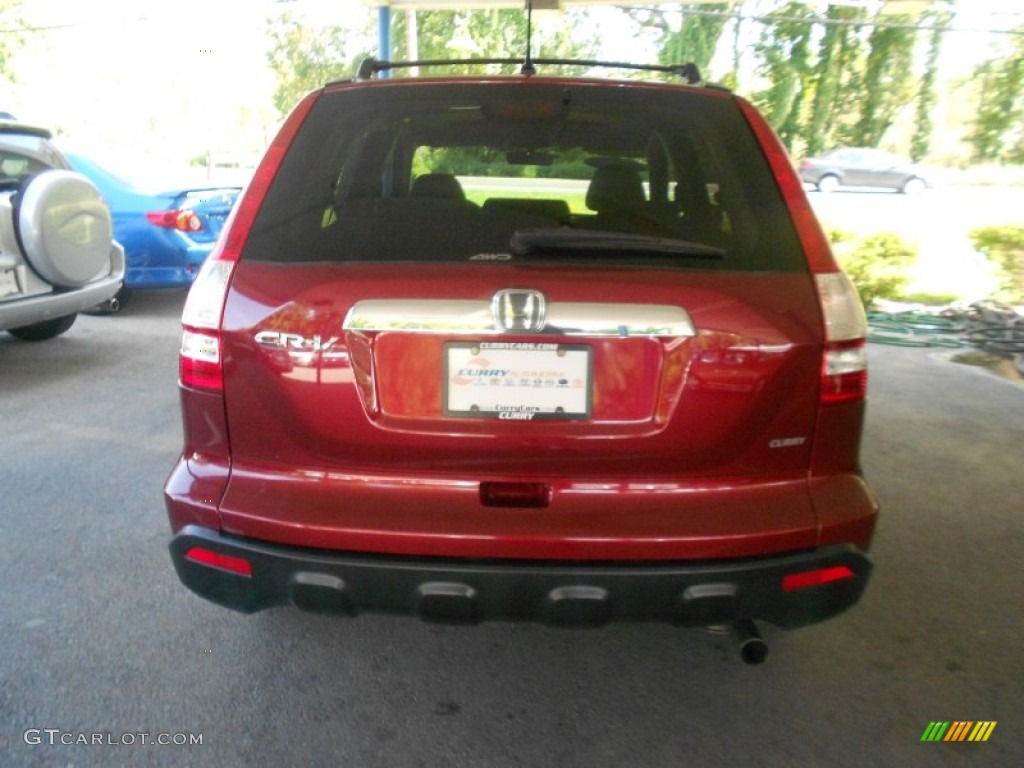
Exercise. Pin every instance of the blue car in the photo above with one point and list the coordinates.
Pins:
(166, 236)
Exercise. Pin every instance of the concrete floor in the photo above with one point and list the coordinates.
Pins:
(99, 638)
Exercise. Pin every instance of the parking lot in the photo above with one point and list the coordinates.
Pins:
(106, 656)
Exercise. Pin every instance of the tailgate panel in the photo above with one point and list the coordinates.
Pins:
(737, 397)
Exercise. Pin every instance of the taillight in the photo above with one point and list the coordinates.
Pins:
(200, 361)
(844, 365)
(844, 361)
(202, 344)
(184, 220)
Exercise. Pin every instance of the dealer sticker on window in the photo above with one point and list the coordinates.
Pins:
(518, 381)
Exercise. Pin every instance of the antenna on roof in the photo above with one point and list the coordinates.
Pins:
(528, 68)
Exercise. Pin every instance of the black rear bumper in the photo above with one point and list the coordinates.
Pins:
(555, 593)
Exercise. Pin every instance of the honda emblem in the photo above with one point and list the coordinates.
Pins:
(518, 310)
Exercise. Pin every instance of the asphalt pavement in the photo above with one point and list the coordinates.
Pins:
(107, 660)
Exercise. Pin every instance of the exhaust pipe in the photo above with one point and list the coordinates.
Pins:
(753, 648)
(109, 307)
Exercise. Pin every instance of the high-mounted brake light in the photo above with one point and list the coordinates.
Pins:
(184, 220)
(201, 361)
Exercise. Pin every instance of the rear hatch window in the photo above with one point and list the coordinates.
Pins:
(577, 173)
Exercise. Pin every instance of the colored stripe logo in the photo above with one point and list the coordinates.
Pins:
(959, 730)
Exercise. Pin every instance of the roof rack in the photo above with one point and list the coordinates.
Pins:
(13, 126)
(371, 66)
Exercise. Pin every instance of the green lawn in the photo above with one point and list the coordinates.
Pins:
(478, 190)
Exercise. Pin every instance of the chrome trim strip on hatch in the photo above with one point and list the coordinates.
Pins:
(475, 318)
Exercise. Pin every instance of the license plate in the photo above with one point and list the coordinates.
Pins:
(8, 282)
(518, 381)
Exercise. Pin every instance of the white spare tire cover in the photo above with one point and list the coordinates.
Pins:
(64, 228)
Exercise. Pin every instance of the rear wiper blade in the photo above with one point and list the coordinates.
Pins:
(556, 242)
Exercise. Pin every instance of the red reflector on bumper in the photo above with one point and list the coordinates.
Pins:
(219, 560)
(807, 579)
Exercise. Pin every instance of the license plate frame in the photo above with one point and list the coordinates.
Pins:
(518, 381)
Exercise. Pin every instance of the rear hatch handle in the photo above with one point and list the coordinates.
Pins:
(489, 318)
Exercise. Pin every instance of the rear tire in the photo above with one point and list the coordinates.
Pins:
(47, 329)
(913, 186)
(828, 184)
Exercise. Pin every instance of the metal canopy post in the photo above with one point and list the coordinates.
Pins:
(384, 32)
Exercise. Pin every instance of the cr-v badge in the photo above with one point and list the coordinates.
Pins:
(282, 340)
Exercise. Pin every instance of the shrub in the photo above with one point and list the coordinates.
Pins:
(930, 299)
(878, 264)
(1004, 247)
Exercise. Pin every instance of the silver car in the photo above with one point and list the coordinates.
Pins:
(862, 167)
(57, 252)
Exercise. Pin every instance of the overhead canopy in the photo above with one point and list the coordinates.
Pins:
(888, 6)
(538, 5)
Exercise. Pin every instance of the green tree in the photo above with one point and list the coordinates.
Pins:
(685, 33)
(997, 126)
(10, 40)
(878, 265)
(784, 49)
(838, 51)
(888, 80)
(834, 74)
(697, 38)
(305, 58)
(490, 33)
(920, 142)
(1004, 247)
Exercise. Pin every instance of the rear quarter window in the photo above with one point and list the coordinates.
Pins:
(19, 163)
(451, 171)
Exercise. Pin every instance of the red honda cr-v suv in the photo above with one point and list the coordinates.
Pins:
(524, 347)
